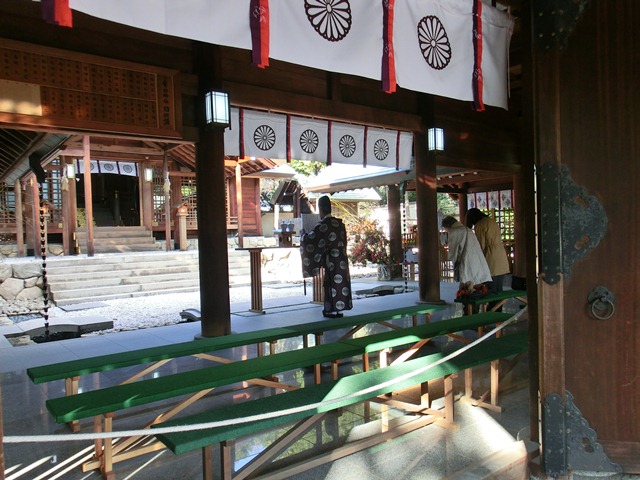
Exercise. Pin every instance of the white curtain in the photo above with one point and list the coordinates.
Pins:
(265, 134)
(309, 139)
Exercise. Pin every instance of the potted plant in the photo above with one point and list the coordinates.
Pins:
(371, 246)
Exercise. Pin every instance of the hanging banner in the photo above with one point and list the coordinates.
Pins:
(497, 29)
(108, 166)
(405, 151)
(471, 202)
(506, 199)
(57, 12)
(482, 202)
(264, 134)
(382, 147)
(433, 47)
(343, 36)
(308, 139)
(221, 22)
(426, 45)
(232, 135)
(347, 143)
(494, 200)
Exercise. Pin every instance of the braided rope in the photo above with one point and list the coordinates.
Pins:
(253, 418)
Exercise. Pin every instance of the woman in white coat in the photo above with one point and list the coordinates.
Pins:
(465, 251)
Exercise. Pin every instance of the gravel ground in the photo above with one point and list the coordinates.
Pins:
(159, 310)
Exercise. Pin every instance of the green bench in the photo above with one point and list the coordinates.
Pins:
(421, 334)
(345, 391)
(71, 371)
(499, 298)
(197, 383)
(103, 403)
(357, 322)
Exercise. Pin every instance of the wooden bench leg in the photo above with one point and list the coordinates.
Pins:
(106, 467)
(226, 464)
(207, 462)
(493, 392)
(495, 382)
(425, 401)
(97, 428)
(448, 398)
(71, 388)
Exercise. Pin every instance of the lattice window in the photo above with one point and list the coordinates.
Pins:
(159, 215)
(52, 192)
(188, 191)
(232, 220)
(7, 205)
(505, 219)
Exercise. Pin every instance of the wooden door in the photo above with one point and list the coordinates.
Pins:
(586, 119)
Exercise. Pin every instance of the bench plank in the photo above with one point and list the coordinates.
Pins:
(364, 318)
(494, 297)
(85, 366)
(111, 399)
(180, 442)
(380, 341)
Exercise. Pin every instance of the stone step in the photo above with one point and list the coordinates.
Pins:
(117, 278)
(114, 232)
(127, 292)
(83, 270)
(97, 293)
(117, 239)
(142, 258)
(102, 277)
(87, 272)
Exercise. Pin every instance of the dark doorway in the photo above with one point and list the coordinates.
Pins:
(115, 199)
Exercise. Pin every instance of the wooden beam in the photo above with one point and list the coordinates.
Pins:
(88, 196)
(252, 96)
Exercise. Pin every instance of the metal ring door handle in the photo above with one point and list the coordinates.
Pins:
(602, 303)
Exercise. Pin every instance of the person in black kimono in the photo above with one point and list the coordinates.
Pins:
(326, 247)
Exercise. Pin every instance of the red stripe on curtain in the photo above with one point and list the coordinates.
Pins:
(56, 12)
(241, 131)
(388, 61)
(329, 142)
(364, 156)
(398, 151)
(259, 22)
(478, 103)
(288, 138)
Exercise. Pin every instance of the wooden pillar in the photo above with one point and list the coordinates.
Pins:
(66, 237)
(2, 468)
(88, 195)
(73, 211)
(519, 231)
(179, 230)
(239, 204)
(395, 221)
(166, 187)
(146, 198)
(17, 188)
(426, 208)
(463, 207)
(212, 220)
(33, 223)
(551, 314)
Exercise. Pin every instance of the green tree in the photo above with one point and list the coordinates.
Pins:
(306, 167)
(447, 204)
